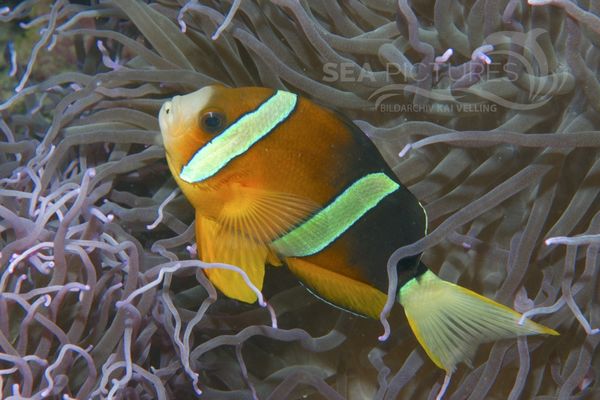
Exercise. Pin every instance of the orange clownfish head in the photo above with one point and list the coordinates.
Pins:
(205, 130)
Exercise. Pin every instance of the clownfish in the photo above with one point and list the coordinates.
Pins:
(277, 180)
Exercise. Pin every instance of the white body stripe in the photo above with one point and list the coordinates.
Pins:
(239, 137)
(328, 224)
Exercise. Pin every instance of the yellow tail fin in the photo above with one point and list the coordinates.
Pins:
(450, 321)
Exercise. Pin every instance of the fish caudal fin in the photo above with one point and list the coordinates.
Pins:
(450, 321)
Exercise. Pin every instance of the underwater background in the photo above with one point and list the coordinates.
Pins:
(101, 295)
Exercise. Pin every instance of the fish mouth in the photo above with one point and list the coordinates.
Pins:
(178, 112)
(165, 117)
(168, 116)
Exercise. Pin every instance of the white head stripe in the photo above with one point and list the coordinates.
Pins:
(239, 137)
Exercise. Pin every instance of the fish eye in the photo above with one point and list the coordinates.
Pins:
(212, 122)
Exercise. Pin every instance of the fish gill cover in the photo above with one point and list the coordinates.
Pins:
(487, 110)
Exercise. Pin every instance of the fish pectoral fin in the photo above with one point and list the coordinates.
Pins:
(340, 290)
(216, 245)
(263, 214)
(450, 321)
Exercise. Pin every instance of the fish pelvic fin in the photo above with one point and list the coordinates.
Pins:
(450, 321)
(216, 245)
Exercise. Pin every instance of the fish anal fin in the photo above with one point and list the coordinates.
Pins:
(450, 321)
(216, 245)
(344, 292)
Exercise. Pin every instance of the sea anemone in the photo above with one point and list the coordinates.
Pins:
(487, 110)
